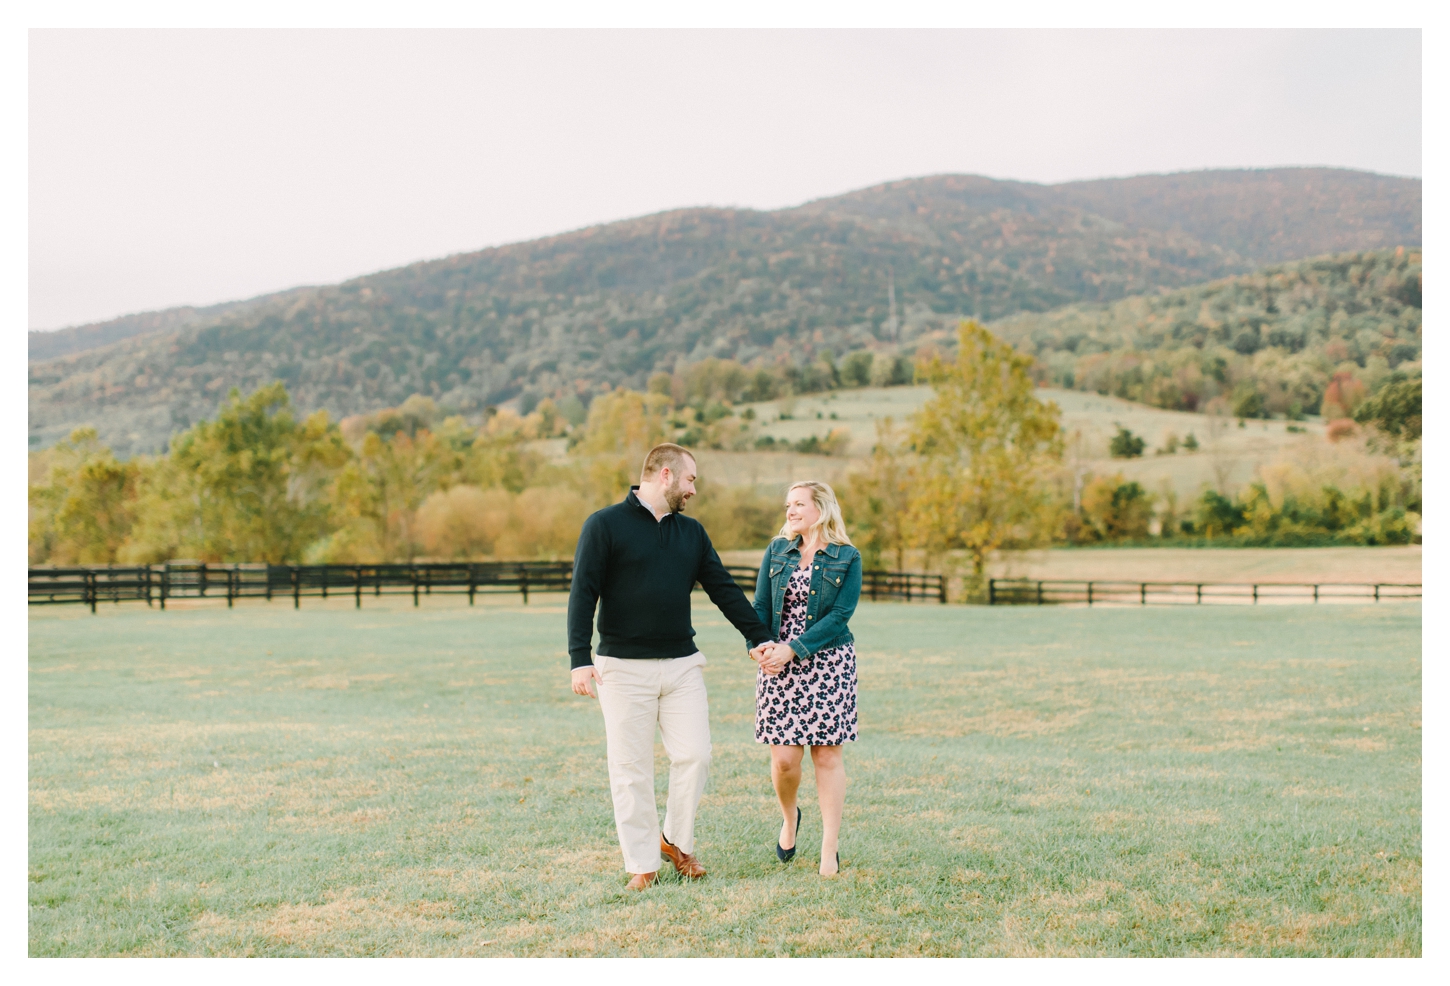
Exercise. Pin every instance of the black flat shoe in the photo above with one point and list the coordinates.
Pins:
(786, 855)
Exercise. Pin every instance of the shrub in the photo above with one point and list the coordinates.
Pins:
(1126, 445)
(1216, 515)
(462, 522)
(1114, 510)
(1249, 404)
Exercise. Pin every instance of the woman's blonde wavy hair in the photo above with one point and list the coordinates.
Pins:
(831, 526)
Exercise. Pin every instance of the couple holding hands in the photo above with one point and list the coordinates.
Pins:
(637, 562)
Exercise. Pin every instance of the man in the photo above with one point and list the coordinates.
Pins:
(639, 560)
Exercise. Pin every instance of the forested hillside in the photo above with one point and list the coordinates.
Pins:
(611, 305)
(1284, 340)
(1267, 216)
(78, 339)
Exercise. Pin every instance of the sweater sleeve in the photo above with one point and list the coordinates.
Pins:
(590, 557)
(728, 597)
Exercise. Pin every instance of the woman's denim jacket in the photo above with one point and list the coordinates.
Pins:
(835, 588)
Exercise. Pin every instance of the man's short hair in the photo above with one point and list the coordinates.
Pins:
(666, 455)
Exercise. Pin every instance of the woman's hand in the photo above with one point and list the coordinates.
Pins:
(774, 658)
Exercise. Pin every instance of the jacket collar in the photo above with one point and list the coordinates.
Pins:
(830, 550)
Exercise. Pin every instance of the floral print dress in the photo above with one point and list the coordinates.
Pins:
(812, 702)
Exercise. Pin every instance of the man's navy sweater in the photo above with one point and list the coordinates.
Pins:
(640, 572)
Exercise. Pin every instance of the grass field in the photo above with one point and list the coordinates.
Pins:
(264, 781)
(1230, 455)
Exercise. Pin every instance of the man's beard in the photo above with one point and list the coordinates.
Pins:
(675, 498)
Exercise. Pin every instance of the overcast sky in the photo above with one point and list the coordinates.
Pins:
(191, 167)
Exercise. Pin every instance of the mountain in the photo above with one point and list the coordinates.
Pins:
(80, 338)
(1266, 216)
(611, 304)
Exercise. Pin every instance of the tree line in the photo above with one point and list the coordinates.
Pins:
(979, 469)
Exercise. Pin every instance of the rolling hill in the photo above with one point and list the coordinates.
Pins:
(611, 304)
(1274, 337)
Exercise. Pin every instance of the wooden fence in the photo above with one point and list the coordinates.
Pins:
(158, 583)
(1044, 592)
(904, 585)
(155, 584)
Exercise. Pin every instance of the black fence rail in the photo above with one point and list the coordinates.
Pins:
(1043, 592)
(904, 585)
(155, 584)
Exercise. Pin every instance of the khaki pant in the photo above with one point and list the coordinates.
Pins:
(635, 697)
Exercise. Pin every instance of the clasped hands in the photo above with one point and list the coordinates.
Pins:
(772, 656)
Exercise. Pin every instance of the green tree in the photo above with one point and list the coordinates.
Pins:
(83, 507)
(856, 368)
(987, 445)
(168, 524)
(1395, 410)
(256, 478)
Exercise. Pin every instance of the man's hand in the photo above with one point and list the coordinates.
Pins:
(583, 680)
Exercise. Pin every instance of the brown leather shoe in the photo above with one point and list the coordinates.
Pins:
(640, 881)
(686, 864)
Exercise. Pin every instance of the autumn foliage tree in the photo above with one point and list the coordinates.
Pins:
(986, 446)
(622, 426)
(878, 499)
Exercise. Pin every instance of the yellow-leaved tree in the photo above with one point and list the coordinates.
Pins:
(877, 500)
(376, 496)
(987, 451)
(622, 427)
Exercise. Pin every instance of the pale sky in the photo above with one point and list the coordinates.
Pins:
(192, 167)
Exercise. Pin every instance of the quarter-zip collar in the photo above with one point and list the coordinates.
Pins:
(634, 499)
(659, 522)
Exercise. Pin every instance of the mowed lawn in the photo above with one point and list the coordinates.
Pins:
(264, 781)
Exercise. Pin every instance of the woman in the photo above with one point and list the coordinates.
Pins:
(805, 692)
